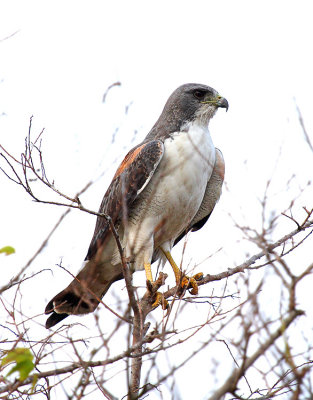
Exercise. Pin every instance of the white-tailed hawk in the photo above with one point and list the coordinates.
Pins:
(166, 186)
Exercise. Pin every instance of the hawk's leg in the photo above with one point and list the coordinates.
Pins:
(183, 281)
(152, 288)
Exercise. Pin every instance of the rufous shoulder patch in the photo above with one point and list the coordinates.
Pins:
(130, 157)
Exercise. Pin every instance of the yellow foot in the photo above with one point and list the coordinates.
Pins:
(158, 297)
(183, 281)
(191, 283)
(160, 300)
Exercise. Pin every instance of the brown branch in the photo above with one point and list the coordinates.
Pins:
(139, 332)
(10, 155)
(108, 89)
(247, 264)
(138, 319)
(142, 308)
(230, 384)
(81, 365)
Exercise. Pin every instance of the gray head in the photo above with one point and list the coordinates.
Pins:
(187, 103)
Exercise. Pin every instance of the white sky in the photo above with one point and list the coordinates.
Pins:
(64, 54)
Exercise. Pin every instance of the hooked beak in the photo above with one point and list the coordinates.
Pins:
(222, 103)
(219, 101)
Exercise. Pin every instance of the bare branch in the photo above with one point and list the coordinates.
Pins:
(230, 384)
(301, 121)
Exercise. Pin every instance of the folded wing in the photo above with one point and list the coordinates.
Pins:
(86, 290)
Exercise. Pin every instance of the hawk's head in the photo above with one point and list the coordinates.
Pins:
(193, 100)
(188, 103)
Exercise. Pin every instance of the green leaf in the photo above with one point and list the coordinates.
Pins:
(23, 359)
(7, 250)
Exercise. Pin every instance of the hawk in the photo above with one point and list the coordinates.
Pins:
(165, 187)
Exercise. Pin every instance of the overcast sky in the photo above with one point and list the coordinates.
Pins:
(57, 58)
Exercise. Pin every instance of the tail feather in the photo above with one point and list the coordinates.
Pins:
(72, 301)
(83, 294)
(55, 319)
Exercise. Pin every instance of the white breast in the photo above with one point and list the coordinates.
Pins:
(172, 198)
(187, 166)
(175, 192)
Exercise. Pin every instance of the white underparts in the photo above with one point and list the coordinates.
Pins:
(170, 201)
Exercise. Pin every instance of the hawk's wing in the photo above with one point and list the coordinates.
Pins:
(211, 196)
(130, 179)
(82, 295)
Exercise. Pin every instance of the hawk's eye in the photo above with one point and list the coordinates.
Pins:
(199, 94)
